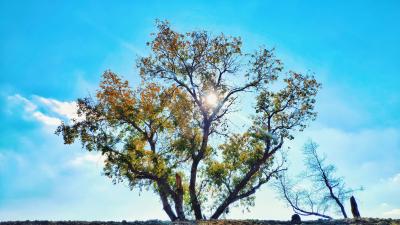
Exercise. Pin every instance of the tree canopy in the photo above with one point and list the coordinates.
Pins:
(160, 134)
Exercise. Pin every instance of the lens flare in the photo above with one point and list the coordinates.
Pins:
(211, 99)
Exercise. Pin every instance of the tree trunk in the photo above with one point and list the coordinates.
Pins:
(193, 172)
(166, 206)
(192, 190)
(179, 198)
(354, 208)
(341, 207)
(333, 196)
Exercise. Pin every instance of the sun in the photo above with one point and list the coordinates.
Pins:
(211, 99)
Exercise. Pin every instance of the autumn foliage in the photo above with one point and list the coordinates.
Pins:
(165, 136)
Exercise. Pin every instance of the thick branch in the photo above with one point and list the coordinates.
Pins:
(232, 197)
(193, 172)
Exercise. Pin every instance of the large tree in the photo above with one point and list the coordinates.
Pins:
(173, 135)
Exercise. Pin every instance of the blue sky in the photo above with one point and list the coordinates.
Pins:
(53, 52)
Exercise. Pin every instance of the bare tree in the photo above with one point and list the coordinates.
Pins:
(303, 202)
(327, 191)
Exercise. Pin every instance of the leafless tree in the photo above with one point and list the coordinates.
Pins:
(327, 191)
(302, 202)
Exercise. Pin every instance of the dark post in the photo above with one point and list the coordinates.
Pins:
(295, 219)
(354, 207)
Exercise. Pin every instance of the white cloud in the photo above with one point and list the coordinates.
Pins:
(395, 179)
(8, 156)
(28, 105)
(394, 213)
(47, 111)
(86, 159)
(66, 109)
(384, 205)
(47, 120)
(363, 150)
(106, 32)
(364, 157)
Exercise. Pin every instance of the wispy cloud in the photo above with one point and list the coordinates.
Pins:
(47, 120)
(106, 32)
(86, 159)
(8, 156)
(394, 213)
(66, 109)
(48, 111)
(395, 179)
(28, 105)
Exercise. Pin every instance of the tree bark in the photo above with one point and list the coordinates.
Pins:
(179, 198)
(354, 208)
(193, 171)
(166, 206)
(192, 190)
